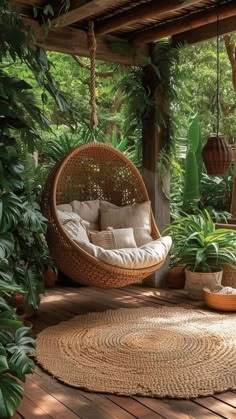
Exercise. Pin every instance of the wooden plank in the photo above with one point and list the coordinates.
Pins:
(134, 407)
(30, 410)
(193, 409)
(144, 11)
(114, 409)
(145, 298)
(167, 295)
(86, 404)
(162, 408)
(17, 3)
(79, 11)
(74, 41)
(17, 416)
(217, 407)
(206, 32)
(229, 398)
(189, 22)
(47, 403)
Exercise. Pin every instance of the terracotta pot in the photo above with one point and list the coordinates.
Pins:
(50, 278)
(18, 301)
(196, 281)
(217, 155)
(176, 277)
(23, 308)
(27, 323)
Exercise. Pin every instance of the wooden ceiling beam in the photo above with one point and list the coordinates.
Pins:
(73, 41)
(16, 3)
(195, 20)
(79, 11)
(206, 32)
(144, 11)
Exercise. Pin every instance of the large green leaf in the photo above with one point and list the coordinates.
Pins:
(6, 245)
(20, 364)
(10, 396)
(3, 360)
(191, 194)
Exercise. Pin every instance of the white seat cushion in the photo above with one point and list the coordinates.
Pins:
(148, 255)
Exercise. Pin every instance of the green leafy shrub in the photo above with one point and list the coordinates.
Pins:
(16, 345)
(199, 245)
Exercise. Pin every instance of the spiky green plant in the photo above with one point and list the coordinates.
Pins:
(199, 245)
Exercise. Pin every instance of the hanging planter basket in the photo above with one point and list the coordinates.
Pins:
(217, 155)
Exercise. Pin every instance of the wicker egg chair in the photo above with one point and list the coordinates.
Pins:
(92, 171)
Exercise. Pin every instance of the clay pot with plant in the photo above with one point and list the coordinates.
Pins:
(203, 249)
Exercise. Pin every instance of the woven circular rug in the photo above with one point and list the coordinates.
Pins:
(167, 351)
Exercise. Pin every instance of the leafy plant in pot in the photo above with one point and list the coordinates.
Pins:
(203, 249)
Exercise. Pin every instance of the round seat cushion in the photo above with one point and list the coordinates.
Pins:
(148, 255)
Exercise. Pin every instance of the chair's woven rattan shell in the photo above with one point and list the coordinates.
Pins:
(92, 171)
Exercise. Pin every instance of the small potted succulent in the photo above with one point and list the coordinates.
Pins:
(203, 249)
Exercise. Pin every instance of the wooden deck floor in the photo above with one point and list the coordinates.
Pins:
(46, 398)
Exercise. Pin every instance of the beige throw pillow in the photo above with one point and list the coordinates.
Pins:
(114, 239)
(73, 225)
(88, 211)
(137, 216)
(65, 208)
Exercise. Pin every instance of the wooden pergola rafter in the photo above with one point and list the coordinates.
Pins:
(125, 25)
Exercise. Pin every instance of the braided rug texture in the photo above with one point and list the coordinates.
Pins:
(167, 351)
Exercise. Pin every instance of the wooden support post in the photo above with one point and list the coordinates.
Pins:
(154, 135)
(233, 204)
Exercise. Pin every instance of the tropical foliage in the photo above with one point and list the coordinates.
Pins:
(199, 245)
(23, 250)
(16, 345)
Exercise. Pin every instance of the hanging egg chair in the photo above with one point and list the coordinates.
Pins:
(89, 172)
(96, 172)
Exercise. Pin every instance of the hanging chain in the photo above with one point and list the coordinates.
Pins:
(218, 74)
(92, 45)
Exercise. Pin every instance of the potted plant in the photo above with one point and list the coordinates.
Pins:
(203, 249)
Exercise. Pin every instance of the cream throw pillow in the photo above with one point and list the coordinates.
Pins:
(65, 208)
(114, 239)
(87, 210)
(137, 216)
(73, 225)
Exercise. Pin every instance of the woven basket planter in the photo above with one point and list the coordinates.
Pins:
(217, 155)
(196, 281)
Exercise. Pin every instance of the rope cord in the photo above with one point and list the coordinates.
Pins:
(92, 45)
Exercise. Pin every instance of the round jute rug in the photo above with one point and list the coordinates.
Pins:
(167, 351)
